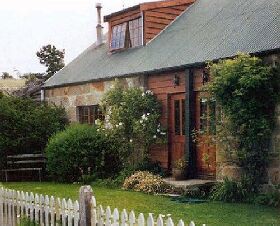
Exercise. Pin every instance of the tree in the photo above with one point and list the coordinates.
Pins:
(6, 75)
(26, 126)
(52, 58)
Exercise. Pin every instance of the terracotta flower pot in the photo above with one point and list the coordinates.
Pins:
(178, 174)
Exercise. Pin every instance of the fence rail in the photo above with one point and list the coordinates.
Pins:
(51, 211)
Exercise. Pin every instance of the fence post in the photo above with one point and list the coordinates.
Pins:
(85, 197)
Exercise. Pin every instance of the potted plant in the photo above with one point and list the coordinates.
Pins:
(179, 169)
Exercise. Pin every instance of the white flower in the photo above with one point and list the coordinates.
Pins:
(143, 116)
(130, 140)
(120, 124)
(141, 121)
(155, 136)
(143, 94)
(163, 133)
(98, 130)
(158, 130)
(149, 92)
(117, 126)
(148, 114)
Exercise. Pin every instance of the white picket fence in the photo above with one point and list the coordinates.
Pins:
(46, 211)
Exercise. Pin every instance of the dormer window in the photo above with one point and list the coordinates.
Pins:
(127, 35)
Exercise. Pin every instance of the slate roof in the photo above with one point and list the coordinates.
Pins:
(208, 30)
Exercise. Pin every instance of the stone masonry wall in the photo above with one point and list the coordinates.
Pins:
(86, 94)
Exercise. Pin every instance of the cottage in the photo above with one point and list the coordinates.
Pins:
(164, 46)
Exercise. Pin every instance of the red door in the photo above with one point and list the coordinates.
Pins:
(176, 127)
(205, 121)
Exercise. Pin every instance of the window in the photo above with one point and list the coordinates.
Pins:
(118, 36)
(179, 117)
(88, 114)
(128, 34)
(208, 115)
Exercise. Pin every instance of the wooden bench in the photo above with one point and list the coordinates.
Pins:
(24, 163)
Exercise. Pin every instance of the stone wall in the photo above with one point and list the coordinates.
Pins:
(86, 94)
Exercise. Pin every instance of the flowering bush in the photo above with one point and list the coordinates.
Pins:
(180, 164)
(146, 182)
(132, 119)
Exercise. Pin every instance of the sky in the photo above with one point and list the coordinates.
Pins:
(27, 25)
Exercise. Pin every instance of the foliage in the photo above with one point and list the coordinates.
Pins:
(231, 191)
(132, 120)
(26, 125)
(27, 222)
(247, 92)
(146, 182)
(118, 180)
(210, 213)
(52, 58)
(81, 150)
(199, 191)
(180, 164)
(6, 75)
(269, 199)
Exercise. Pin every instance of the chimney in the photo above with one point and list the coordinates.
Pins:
(99, 28)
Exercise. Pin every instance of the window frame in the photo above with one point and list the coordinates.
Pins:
(93, 113)
(127, 39)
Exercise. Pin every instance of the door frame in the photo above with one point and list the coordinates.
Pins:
(168, 130)
(197, 96)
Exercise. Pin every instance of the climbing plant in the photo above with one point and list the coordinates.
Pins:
(247, 91)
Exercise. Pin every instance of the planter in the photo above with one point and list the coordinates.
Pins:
(178, 174)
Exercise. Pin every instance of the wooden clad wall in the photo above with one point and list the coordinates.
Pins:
(157, 19)
(162, 86)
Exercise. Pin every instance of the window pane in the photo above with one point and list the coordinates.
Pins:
(118, 36)
(203, 114)
(177, 117)
(183, 118)
(135, 32)
(212, 116)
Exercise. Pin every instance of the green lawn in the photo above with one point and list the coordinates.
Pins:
(212, 213)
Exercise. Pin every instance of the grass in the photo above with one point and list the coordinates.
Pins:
(211, 213)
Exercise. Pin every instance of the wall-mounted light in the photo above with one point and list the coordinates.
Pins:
(205, 77)
(176, 80)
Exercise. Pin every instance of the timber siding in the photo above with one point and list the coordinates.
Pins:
(157, 19)
(162, 86)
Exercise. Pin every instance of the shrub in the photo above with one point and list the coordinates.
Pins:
(26, 125)
(146, 182)
(132, 117)
(231, 191)
(146, 165)
(81, 150)
(269, 199)
(199, 191)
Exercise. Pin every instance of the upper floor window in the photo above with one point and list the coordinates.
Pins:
(88, 114)
(127, 35)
